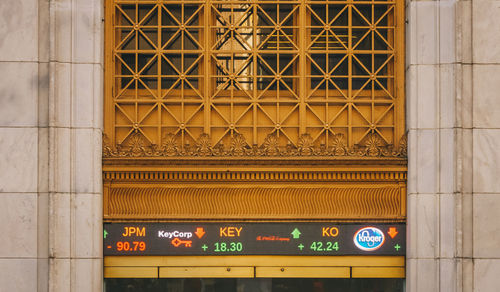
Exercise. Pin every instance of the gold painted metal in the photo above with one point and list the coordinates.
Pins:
(130, 272)
(251, 103)
(207, 272)
(302, 272)
(254, 266)
(378, 272)
(256, 261)
(254, 78)
(258, 202)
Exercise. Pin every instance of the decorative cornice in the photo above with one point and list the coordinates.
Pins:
(254, 176)
(372, 147)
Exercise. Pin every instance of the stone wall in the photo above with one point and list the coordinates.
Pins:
(50, 148)
(453, 94)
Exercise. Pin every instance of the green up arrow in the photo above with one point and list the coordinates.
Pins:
(296, 233)
(105, 233)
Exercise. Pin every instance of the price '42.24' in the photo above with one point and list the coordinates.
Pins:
(328, 246)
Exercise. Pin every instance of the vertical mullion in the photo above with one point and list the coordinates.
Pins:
(255, 67)
(349, 74)
(372, 27)
(158, 85)
(136, 73)
(207, 81)
(232, 75)
(302, 67)
(399, 64)
(183, 76)
(278, 75)
(111, 84)
(327, 68)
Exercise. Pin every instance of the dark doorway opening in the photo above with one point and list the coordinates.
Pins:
(254, 285)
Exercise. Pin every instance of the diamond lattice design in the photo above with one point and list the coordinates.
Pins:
(261, 72)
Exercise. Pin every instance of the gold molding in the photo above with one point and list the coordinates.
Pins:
(372, 147)
(255, 202)
(254, 176)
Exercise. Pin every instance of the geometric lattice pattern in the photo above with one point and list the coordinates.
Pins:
(253, 70)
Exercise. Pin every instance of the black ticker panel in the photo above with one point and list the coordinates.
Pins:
(254, 239)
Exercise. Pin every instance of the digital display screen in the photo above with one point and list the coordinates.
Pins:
(254, 239)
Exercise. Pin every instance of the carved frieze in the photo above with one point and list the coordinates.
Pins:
(372, 146)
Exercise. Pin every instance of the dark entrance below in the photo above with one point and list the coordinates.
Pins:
(254, 285)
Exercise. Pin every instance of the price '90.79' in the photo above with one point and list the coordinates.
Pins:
(130, 246)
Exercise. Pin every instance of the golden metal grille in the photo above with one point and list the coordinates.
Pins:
(254, 77)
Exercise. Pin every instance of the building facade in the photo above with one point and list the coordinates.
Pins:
(61, 180)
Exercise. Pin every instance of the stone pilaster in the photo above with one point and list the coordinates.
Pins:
(50, 141)
(452, 93)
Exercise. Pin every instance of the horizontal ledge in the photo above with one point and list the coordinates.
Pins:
(257, 160)
(259, 261)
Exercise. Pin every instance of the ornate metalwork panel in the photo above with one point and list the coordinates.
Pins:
(254, 78)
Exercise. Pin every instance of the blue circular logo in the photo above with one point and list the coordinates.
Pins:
(369, 238)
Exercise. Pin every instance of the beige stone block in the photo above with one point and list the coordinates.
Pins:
(485, 36)
(447, 275)
(464, 97)
(88, 225)
(464, 225)
(43, 94)
(19, 275)
(97, 161)
(43, 30)
(411, 97)
(425, 222)
(447, 95)
(447, 144)
(18, 156)
(61, 26)
(486, 95)
(447, 37)
(19, 94)
(412, 230)
(43, 274)
(82, 95)
(468, 274)
(60, 275)
(98, 96)
(18, 217)
(88, 275)
(465, 160)
(447, 225)
(411, 274)
(486, 273)
(427, 95)
(412, 161)
(60, 225)
(60, 158)
(60, 97)
(18, 28)
(43, 160)
(486, 160)
(424, 43)
(43, 213)
(464, 31)
(84, 161)
(87, 30)
(423, 275)
(486, 227)
(427, 161)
